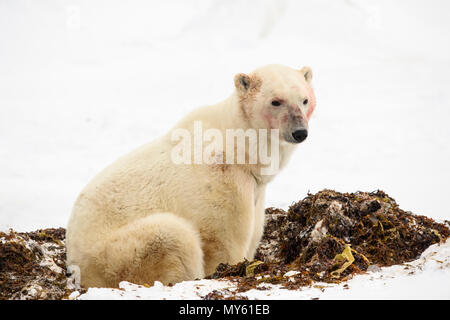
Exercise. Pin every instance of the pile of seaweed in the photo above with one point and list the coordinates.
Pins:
(326, 237)
(32, 265)
(330, 236)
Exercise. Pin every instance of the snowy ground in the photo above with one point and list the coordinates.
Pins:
(421, 279)
(83, 82)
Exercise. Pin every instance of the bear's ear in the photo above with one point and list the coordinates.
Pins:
(307, 73)
(242, 82)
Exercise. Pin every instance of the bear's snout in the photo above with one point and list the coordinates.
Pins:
(300, 135)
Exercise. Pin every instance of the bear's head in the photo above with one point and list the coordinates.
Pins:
(277, 97)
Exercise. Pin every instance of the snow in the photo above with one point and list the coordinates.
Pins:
(186, 290)
(82, 83)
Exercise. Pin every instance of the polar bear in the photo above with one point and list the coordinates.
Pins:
(146, 218)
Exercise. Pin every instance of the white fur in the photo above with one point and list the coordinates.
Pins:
(145, 218)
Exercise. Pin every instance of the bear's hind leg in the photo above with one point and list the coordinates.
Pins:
(160, 247)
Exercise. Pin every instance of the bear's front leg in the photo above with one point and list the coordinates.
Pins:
(258, 226)
(228, 239)
(216, 252)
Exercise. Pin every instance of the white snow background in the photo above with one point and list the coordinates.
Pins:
(84, 82)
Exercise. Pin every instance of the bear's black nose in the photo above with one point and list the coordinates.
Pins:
(300, 135)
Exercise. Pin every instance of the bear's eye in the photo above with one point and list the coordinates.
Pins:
(305, 101)
(276, 103)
